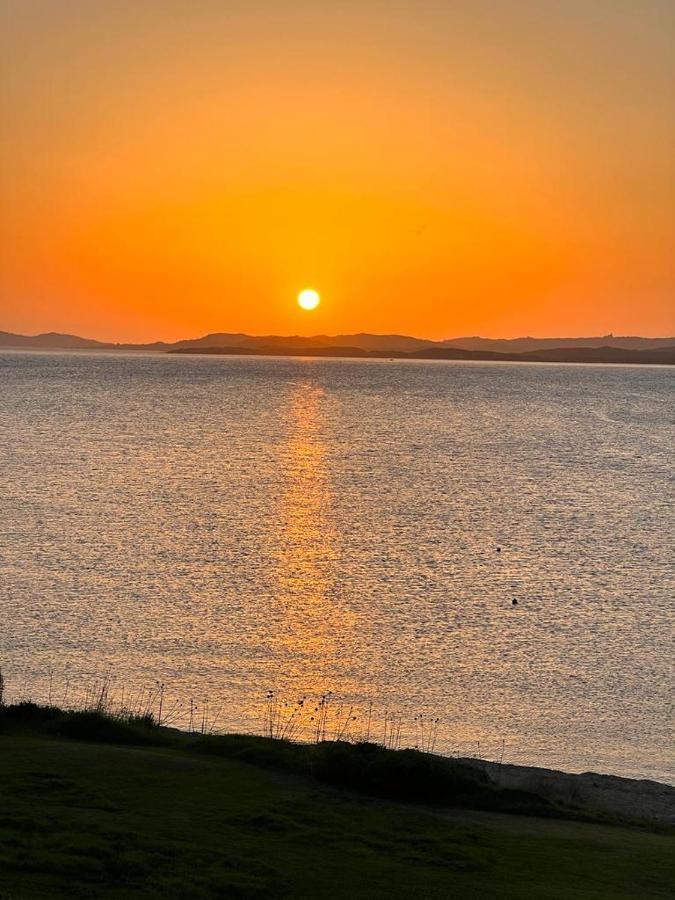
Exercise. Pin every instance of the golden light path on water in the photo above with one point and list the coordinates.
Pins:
(311, 641)
(307, 542)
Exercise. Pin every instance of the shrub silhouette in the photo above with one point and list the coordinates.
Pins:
(94, 726)
(400, 774)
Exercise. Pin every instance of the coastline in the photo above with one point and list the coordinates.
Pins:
(372, 769)
(629, 799)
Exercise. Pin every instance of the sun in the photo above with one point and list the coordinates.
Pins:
(308, 299)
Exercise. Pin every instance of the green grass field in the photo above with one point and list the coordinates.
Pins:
(84, 819)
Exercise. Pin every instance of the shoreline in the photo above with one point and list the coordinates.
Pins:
(409, 774)
(638, 799)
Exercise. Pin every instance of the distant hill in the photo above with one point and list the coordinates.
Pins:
(527, 344)
(584, 349)
(218, 339)
(387, 342)
(657, 356)
(50, 340)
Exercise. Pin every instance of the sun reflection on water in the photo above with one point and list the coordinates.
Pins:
(308, 553)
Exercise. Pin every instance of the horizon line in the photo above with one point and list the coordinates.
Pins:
(609, 335)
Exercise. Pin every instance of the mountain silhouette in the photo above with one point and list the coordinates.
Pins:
(630, 349)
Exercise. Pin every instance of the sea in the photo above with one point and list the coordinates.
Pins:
(471, 558)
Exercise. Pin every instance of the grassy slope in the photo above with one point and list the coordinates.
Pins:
(97, 820)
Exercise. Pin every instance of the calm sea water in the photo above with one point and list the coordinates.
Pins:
(229, 526)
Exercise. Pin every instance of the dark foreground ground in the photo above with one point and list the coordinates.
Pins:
(177, 818)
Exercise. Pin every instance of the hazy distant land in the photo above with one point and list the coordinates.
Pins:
(603, 349)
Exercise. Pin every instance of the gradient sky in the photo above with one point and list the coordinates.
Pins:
(432, 167)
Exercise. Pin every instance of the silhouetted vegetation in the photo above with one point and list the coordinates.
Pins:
(82, 725)
(420, 777)
(407, 775)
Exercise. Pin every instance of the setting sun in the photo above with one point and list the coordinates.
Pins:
(308, 299)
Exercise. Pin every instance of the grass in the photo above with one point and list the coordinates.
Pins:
(368, 768)
(90, 811)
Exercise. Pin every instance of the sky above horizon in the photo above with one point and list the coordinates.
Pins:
(173, 168)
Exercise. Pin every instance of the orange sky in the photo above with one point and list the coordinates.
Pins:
(499, 168)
